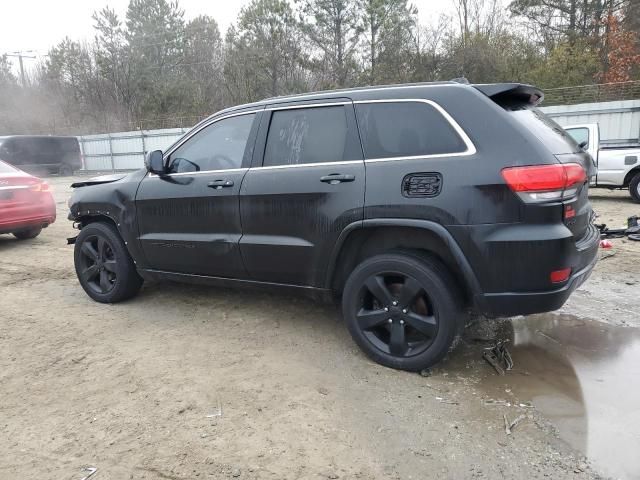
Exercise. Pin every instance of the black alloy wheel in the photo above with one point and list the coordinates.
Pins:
(98, 264)
(404, 309)
(396, 314)
(104, 267)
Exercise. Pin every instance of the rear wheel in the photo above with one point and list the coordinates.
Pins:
(65, 170)
(27, 233)
(103, 264)
(404, 311)
(634, 188)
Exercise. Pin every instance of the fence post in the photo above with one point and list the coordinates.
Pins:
(144, 146)
(113, 165)
(82, 154)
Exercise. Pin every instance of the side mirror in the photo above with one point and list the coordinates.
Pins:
(583, 144)
(154, 162)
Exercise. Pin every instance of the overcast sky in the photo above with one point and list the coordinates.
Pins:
(39, 24)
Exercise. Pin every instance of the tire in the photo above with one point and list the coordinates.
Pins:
(103, 265)
(634, 188)
(429, 324)
(28, 233)
(65, 170)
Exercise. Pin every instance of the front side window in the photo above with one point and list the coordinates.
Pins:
(306, 135)
(405, 129)
(580, 135)
(220, 146)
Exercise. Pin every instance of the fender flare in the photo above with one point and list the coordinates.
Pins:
(470, 279)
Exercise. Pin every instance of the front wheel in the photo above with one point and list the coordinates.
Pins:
(634, 188)
(404, 311)
(103, 264)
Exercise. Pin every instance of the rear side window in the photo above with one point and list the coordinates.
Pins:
(552, 135)
(405, 129)
(306, 135)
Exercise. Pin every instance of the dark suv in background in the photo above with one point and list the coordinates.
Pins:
(415, 204)
(42, 155)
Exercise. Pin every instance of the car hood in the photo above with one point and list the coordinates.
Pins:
(99, 180)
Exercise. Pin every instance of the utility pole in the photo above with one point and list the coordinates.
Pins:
(20, 56)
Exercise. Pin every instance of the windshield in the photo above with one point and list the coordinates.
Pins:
(545, 129)
(6, 168)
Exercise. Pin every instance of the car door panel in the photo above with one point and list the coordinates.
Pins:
(189, 221)
(292, 214)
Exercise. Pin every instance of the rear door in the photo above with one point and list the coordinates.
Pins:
(189, 219)
(306, 185)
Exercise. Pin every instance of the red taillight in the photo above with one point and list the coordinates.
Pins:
(545, 182)
(40, 187)
(559, 276)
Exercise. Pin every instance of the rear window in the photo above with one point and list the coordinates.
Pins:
(306, 135)
(546, 130)
(405, 129)
(4, 168)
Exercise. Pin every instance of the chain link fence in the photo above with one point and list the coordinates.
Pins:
(603, 92)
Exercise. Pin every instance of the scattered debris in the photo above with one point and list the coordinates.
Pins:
(236, 472)
(548, 337)
(606, 244)
(497, 403)
(499, 357)
(607, 256)
(91, 471)
(425, 372)
(217, 413)
(444, 400)
(323, 391)
(507, 429)
(633, 229)
(509, 426)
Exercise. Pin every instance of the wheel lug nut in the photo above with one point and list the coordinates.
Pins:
(390, 321)
(401, 322)
(395, 302)
(404, 310)
(386, 309)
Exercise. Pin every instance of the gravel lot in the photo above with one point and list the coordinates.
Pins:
(188, 382)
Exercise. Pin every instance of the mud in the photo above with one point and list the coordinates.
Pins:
(583, 376)
(189, 382)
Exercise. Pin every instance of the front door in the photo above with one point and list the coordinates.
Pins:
(306, 185)
(189, 219)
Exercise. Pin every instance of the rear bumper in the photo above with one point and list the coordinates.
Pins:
(513, 265)
(15, 224)
(526, 303)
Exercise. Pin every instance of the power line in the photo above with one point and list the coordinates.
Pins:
(20, 56)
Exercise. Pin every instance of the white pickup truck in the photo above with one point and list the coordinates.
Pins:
(618, 167)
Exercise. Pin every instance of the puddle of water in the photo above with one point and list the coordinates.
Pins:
(584, 376)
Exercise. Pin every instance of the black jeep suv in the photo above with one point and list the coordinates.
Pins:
(416, 204)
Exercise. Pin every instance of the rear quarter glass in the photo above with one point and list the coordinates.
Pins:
(552, 135)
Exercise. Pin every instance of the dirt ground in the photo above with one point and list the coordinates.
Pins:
(188, 382)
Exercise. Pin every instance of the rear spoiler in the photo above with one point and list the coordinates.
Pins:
(508, 94)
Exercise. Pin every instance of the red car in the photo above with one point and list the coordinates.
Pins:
(26, 203)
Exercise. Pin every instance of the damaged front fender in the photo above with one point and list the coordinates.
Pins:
(111, 199)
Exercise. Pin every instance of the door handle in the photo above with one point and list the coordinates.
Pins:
(336, 178)
(218, 184)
